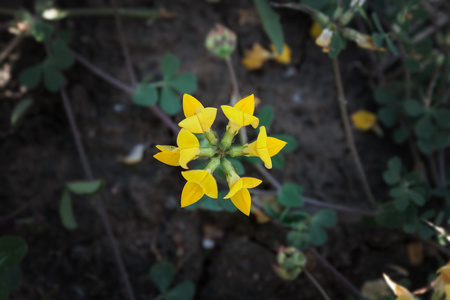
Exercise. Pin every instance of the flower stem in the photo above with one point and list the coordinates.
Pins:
(349, 134)
(58, 14)
(317, 285)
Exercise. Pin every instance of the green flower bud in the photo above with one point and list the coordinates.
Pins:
(221, 41)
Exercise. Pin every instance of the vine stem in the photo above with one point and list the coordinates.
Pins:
(349, 134)
(317, 285)
(98, 201)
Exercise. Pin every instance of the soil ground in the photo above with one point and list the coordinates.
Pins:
(142, 200)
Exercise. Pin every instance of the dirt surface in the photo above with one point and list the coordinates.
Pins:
(142, 201)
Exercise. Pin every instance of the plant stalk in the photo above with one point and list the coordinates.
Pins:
(317, 285)
(54, 14)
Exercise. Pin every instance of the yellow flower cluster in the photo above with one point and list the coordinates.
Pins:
(255, 57)
(201, 182)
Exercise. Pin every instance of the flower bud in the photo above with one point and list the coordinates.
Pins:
(221, 41)
(290, 262)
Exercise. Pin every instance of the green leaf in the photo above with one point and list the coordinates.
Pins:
(11, 277)
(20, 110)
(425, 145)
(424, 231)
(183, 291)
(325, 217)
(424, 128)
(162, 275)
(384, 95)
(185, 83)
(414, 107)
(411, 65)
(400, 135)
(292, 143)
(389, 216)
(291, 195)
(61, 56)
(86, 188)
(66, 211)
(271, 24)
(317, 234)
(14, 249)
(145, 95)
(299, 240)
(378, 39)
(337, 44)
(398, 192)
(42, 30)
(401, 203)
(169, 102)
(265, 116)
(441, 140)
(391, 46)
(388, 115)
(424, 48)
(442, 116)
(31, 76)
(377, 22)
(278, 161)
(4, 292)
(169, 65)
(53, 79)
(416, 197)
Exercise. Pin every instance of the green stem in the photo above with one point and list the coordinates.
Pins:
(236, 151)
(213, 164)
(212, 138)
(206, 152)
(227, 139)
(348, 132)
(58, 14)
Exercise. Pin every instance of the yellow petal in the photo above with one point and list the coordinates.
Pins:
(186, 140)
(315, 30)
(209, 186)
(274, 145)
(234, 189)
(363, 120)
(191, 106)
(191, 124)
(447, 292)
(250, 149)
(235, 116)
(365, 41)
(401, 292)
(284, 57)
(265, 157)
(191, 193)
(250, 182)
(246, 105)
(207, 117)
(261, 141)
(242, 201)
(251, 120)
(186, 155)
(195, 176)
(169, 155)
(255, 57)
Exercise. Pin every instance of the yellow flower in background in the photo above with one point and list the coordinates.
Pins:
(324, 40)
(442, 282)
(284, 57)
(199, 183)
(315, 30)
(264, 147)
(401, 292)
(255, 57)
(363, 119)
(169, 155)
(189, 147)
(365, 41)
(239, 194)
(241, 114)
(198, 118)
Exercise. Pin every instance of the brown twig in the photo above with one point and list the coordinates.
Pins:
(317, 285)
(97, 200)
(349, 134)
(10, 47)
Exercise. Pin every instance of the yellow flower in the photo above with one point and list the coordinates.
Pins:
(365, 41)
(198, 119)
(285, 57)
(401, 292)
(442, 283)
(315, 30)
(264, 147)
(241, 114)
(363, 120)
(239, 193)
(169, 155)
(189, 147)
(324, 40)
(255, 57)
(199, 182)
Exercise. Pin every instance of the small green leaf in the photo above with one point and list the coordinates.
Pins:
(145, 95)
(4, 292)
(31, 76)
(424, 48)
(20, 110)
(337, 44)
(424, 231)
(42, 30)
(414, 107)
(169, 65)
(162, 275)
(391, 46)
(299, 240)
(292, 143)
(384, 95)
(53, 79)
(291, 195)
(389, 216)
(11, 277)
(398, 192)
(265, 116)
(66, 211)
(317, 234)
(278, 161)
(14, 249)
(61, 56)
(271, 23)
(400, 135)
(425, 145)
(411, 65)
(169, 102)
(325, 217)
(378, 39)
(86, 188)
(424, 128)
(442, 116)
(377, 22)
(416, 197)
(183, 291)
(401, 203)
(185, 83)
(388, 115)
